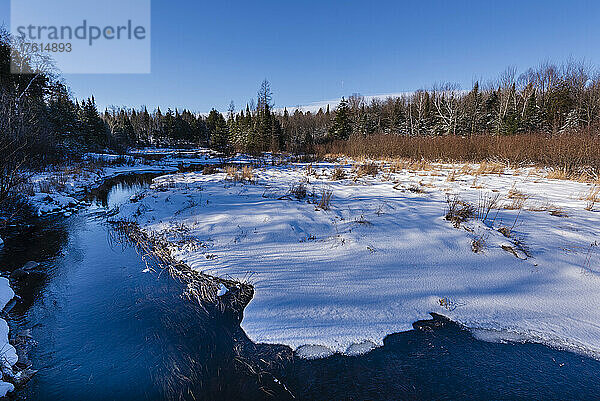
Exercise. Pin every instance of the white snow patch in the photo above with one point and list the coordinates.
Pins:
(222, 290)
(383, 257)
(8, 354)
(313, 351)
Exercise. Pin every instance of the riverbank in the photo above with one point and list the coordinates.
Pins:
(8, 354)
(343, 254)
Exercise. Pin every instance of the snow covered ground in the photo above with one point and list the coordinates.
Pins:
(8, 354)
(383, 256)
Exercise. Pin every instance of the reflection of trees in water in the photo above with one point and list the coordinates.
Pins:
(100, 194)
(43, 241)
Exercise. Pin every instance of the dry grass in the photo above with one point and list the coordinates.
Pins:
(516, 204)
(486, 167)
(245, 174)
(558, 174)
(478, 243)
(592, 197)
(299, 191)
(156, 250)
(248, 173)
(458, 211)
(338, 174)
(514, 193)
(486, 203)
(371, 169)
(325, 200)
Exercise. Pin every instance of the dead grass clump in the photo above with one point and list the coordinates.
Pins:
(466, 170)
(486, 203)
(452, 176)
(421, 165)
(506, 231)
(417, 189)
(209, 169)
(478, 244)
(592, 197)
(299, 191)
(248, 173)
(232, 172)
(338, 174)
(458, 211)
(325, 200)
(513, 193)
(236, 175)
(516, 204)
(367, 169)
(486, 167)
(397, 167)
(558, 174)
(557, 212)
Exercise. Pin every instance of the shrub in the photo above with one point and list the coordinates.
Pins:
(573, 153)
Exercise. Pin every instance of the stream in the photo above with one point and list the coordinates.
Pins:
(102, 327)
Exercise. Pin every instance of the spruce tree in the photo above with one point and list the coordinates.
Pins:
(342, 124)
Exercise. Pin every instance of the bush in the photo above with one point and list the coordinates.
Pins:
(571, 154)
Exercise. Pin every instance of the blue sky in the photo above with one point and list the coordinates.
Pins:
(206, 54)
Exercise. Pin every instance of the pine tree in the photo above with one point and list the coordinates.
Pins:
(92, 126)
(342, 124)
(218, 132)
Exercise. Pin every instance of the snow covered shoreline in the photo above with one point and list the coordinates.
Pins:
(383, 256)
(8, 353)
(64, 197)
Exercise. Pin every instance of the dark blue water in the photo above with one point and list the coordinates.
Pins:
(107, 331)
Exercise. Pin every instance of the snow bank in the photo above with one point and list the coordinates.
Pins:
(8, 354)
(383, 256)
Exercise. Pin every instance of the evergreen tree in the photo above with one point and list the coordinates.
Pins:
(92, 126)
(218, 132)
(342, 124)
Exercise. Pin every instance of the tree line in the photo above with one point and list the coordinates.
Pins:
(548, 99)
(40, 115)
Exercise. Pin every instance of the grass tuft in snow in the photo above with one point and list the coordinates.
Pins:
(458, 211)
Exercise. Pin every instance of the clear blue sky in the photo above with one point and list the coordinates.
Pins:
(205, 54)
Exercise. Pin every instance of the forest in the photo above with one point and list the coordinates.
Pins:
(548, 114)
